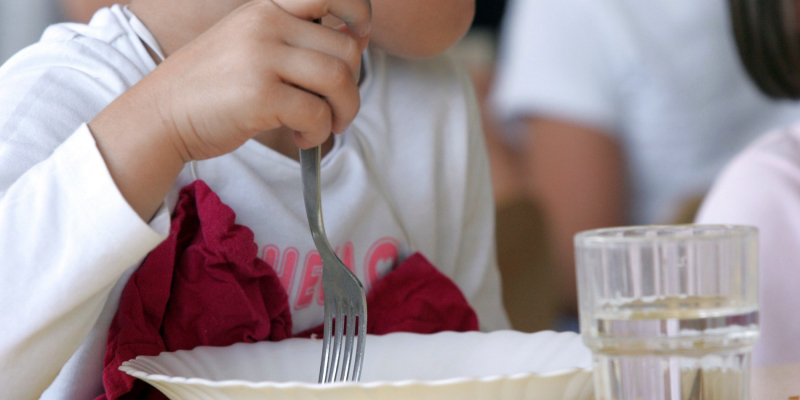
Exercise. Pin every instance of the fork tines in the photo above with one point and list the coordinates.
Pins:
(338, 364)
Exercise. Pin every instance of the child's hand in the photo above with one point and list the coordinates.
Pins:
(264, 66)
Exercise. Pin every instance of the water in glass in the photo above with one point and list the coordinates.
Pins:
(669, 312)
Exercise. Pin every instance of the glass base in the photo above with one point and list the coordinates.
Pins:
(716, 376)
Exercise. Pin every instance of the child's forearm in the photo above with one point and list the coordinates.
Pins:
(138, 151)
(420, 28)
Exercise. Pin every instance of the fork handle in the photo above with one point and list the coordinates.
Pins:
(310, 174)
(312, 197)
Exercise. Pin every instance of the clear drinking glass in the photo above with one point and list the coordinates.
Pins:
(669, 312)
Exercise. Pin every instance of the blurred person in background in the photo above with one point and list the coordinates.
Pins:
(761, 186)
(624, 111)
(528, 294)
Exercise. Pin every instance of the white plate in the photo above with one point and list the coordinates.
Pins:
(399, 366)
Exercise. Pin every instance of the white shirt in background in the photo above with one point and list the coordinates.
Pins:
(662, 76)
(411, 174)
(761, 188)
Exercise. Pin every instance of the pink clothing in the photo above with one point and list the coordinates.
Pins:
(761, 188)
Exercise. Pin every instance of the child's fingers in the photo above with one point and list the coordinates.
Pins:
(362, 41)
(327, 76)
(305, 113)
(330, 41)
(357, 14)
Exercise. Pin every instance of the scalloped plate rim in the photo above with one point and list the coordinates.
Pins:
(315, 386)
(131, 369)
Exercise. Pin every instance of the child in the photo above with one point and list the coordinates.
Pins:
(96, 132)
(760, 186)
(82, 10)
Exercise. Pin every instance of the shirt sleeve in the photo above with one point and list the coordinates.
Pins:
(554, 62)
(67, 233)
(761, 188)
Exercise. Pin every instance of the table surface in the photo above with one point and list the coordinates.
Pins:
(781, 382)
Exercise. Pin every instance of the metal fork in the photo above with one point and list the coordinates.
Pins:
(345, 301)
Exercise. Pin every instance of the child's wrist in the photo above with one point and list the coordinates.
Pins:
(150, 110)
(138, 150)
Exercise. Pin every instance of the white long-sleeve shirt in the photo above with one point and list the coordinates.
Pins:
(411, 174)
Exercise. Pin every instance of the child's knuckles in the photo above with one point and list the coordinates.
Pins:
(355, 108)
(321, 114)
(353, 55)
(261, 21)
(263, 9)
(346, 115)
(255, 69)
(302, 142)
(314, 138)
(259, 105)
(320, 6)
(339, 74)
(304, 8)
(311, 138)
(261, 119)
(339, 125)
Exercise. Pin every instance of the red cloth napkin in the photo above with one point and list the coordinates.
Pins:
(206, 286)
(415, 297)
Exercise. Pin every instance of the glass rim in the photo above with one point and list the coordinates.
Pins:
(716, 232)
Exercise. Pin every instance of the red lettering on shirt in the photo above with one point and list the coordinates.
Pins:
(291, 257)
(381, 257)
(270, 255)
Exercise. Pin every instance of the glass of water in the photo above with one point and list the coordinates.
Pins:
(669, 312)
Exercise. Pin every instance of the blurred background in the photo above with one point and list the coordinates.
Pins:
(23, 21)
(596, 114)
(601, 114)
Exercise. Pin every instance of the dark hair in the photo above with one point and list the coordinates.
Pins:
(769, 44)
